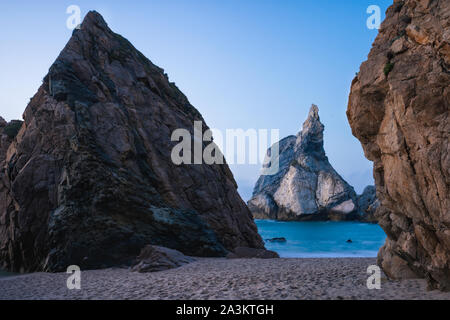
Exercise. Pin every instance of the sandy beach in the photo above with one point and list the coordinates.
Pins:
(218, 278)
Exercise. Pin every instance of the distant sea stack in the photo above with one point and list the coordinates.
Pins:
(368, 204)
(399, 110)
(306, 186)
(88, 180)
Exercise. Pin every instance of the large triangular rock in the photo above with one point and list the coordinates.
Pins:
(89, 178)
(306, 187)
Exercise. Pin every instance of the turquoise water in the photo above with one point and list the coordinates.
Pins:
(6, 274)
(322, 239)
(317, 239)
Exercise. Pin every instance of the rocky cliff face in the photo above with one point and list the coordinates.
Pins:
(89, 179)
(5, 139)
(306, 187)
(399, 110)
(368, 203)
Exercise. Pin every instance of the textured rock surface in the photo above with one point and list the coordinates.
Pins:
(5, 139)
(368, 203)
(306, 187)
(156, 258)
(399, 110)
(89, 178)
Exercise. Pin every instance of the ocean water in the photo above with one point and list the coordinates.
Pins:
(6, 274)
(322, 239)
(316, 239)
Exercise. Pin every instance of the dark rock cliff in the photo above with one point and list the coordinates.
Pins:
(88, 180)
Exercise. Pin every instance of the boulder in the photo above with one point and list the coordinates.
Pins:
(280, 239)
(399, 110)
(156, 258)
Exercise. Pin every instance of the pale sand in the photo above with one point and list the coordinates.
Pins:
(217, 278)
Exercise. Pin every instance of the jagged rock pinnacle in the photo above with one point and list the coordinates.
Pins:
(306, 186)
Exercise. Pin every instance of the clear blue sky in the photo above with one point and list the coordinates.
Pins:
(242, 63)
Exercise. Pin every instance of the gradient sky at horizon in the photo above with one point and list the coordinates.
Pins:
(242, 63)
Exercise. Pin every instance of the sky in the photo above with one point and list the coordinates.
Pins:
(242, 63)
